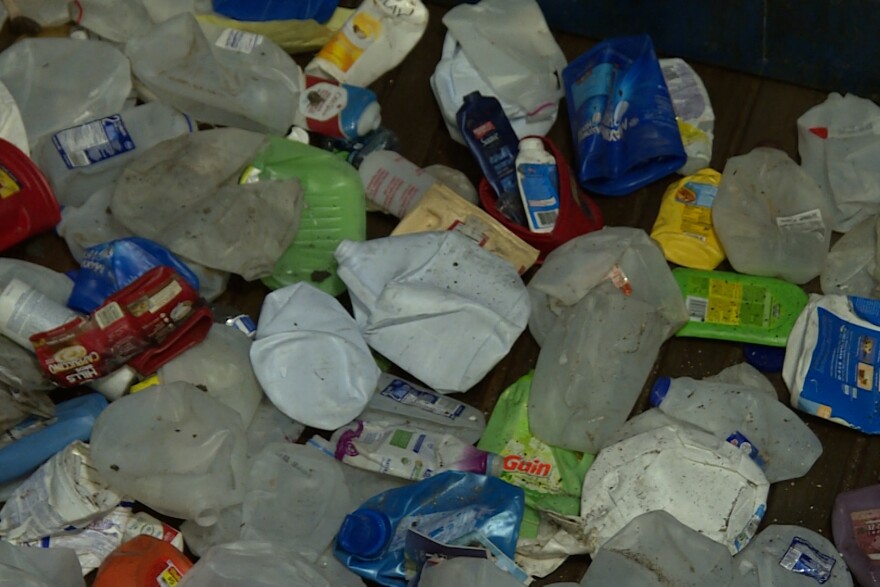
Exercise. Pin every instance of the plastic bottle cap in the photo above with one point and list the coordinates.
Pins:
(531, 144)
(364, 533)
(370, 119)
(768, 359)
(659, 391)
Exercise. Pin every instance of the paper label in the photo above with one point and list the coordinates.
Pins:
(323, 101)
(718, 301)
(93, 142)
(349, 43)
(866, 529)
(802, 558)
(810, 221)
(236, 40)
(170, 576)
(696, 217)
(540, 190)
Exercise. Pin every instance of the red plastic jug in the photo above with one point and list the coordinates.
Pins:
(27, 203)
(143, 561)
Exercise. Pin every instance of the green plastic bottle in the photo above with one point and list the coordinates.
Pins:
(335, 210)
(742, 308)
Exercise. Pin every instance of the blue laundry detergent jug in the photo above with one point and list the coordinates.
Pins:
(448, 508)
(262, 10)
(621, 115)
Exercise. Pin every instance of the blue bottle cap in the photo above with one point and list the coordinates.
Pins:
(768, 359)
(364, 533)
(659, 391)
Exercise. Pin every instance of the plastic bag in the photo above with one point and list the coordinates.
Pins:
(216, 75)
(771, 217)
(185, 194)
(502, 49)
(839, 145)
(621, 117)
(436, 304)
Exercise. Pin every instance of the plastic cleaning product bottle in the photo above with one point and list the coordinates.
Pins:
(143, 561)
(34, 441)
(752, 420)
(27, 204)
(392, 182)
(494, 144)
(449, 508)
(854, 522)
(538, 182)
(738, 307)
(374, 40)
(80, 160)
(407, 452)
(338, 110)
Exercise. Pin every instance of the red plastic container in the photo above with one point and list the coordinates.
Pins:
(27, 203)
(143, 561)
(578, 213)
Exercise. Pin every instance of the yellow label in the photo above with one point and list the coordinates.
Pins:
(725, 302)
(8, 185)
(170, 577)
(350, 42)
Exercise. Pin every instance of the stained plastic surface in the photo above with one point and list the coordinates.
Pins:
(175, 449)
(415, 296)
(614, 281)
(210, 209)
(218, 75)
(621, 117)
(771, 217)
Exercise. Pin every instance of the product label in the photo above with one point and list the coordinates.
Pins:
(843, 376)
(170, 576)
(866, 529)
(531, 465)
(600, 109)
(810, 221)
(696, 217)
(9, 186)
(802, 558)
(620, 280)
(236, 40)
(739, 440)
(718, 301)
(404, 393)
(441, 526)
(540, 189)
(349, 43)
(322, 101)
(743, 538)
(93, 142)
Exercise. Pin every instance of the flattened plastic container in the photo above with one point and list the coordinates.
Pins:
(175, 449)
(742, 308)
(27, 204)
(335, 210)
(58, 82)
(218, 75)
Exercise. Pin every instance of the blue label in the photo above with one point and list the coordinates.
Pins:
(802, 558)
(739, 440)
(540, 188)
(93, 142)
(867, 309)
(843, 374)
(703, 193)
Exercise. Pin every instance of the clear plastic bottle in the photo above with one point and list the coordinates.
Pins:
(538, 182)
(80, 160)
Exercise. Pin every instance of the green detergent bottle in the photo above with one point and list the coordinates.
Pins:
(335, 210)
(737, 307)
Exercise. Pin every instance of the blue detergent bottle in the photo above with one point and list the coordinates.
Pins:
(450, 508)
(31, 443)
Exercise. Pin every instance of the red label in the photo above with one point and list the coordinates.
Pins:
(535, 467)
(866, 529)
(129, 322)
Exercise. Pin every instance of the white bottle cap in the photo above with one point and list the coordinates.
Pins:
(370, 119)
(531, 144)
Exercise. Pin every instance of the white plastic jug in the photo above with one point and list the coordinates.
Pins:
(790, 556)
(603, 304)
(771, 217)
(705, 482)
(656, 550)
(114, 20)
(218, 75)
(295, 495)
(174, 448)
(435, 303)
(80, 160)
(253, 564)
(221, 366)
(311, 358)
(58, 83)
(851, 266)
(760, 425)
